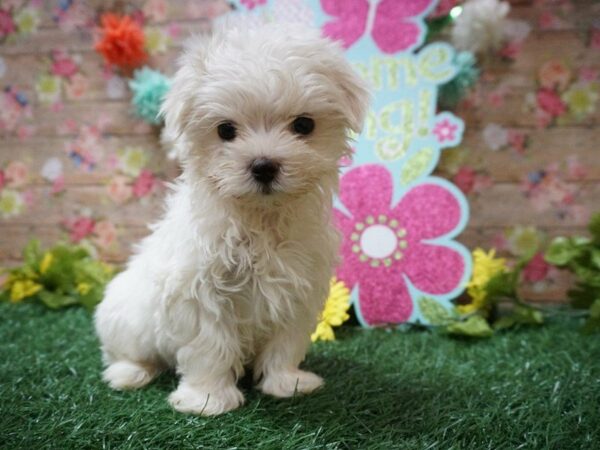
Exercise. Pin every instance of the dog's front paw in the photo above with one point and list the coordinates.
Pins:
(195, 400)
(286, 383)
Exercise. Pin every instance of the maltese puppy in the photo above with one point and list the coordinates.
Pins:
(235, 274)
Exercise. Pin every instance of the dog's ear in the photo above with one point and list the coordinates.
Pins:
(177, 106)
(354, 93)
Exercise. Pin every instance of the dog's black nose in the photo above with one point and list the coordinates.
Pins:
(264, 170)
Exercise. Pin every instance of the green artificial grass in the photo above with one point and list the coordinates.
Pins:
(533, 388)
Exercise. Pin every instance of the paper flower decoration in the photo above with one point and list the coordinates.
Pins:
(7, 25)
(445, 130)
(386, 247)
(581, 99)
(485, 267)
(467, 75)
(121, 42)
(335, 312)
(149, 88)
(11, 203)
(481, 26)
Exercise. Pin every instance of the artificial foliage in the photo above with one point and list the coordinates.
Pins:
(121, 42)
(493, 302)
(467, 75)
(494, 299)
(149, 88)
(581, 256)
(61, 276)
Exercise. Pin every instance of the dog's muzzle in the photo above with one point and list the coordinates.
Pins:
(264, 171)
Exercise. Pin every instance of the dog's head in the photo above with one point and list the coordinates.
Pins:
(263, 113)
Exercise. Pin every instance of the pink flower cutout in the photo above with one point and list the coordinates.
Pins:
(465, 179)
(80, 228)
(77, 86)
(511, 50)
(119, 189)
(63, 65)
(384, 246)
(17, 174)
(394, 27)
(105, 234)
(143, 184)
(7, 25)
(536, 269)
(445, 131)
(517, 140)
(251, 4)
(58, 185)
(550, 102)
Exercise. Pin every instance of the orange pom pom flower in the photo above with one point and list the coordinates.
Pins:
(122, 42)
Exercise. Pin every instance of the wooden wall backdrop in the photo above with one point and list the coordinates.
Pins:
(75, 164)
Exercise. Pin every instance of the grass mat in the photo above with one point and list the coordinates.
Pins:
(535, 388)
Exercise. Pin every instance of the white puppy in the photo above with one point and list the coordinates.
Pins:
(236, 272)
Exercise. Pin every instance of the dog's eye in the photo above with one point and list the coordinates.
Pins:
(303, 125)
(227, 131)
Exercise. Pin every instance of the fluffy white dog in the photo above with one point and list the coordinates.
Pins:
(236, 272)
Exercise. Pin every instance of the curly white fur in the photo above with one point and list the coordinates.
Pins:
(231, 277)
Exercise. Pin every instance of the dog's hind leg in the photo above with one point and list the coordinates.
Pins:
(125, 326)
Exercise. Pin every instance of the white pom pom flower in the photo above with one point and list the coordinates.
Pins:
(480, 27)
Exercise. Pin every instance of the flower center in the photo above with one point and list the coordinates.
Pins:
(378, 241)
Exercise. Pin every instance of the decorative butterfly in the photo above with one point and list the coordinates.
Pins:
(396, 24)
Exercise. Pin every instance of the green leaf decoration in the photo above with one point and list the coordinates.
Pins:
(32, 254)
(57, 300)
(594, 228)
(434, 312)
(587, 275)
(595, 257)
(583, 295)
(473, 326)
(562, 251)
(522, 315)
(593, 323)
(417, 165)
(503, 285)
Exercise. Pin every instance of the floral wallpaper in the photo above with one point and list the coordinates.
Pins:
(76, 164)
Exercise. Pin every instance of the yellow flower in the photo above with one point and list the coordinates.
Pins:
(157, 41)
(27, 20)
(524, 240)
(11, 203)
(132, 160)
(485, 267)
(83, 288)
(48, 88)
(46, 262)
(581, 99)
(335, 312)
(21, 289)
(108, 269)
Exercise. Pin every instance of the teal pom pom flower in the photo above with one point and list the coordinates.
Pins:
(149, 88)
(467, 75)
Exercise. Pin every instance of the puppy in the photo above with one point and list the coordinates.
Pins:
(236, 273)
